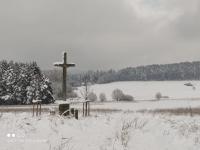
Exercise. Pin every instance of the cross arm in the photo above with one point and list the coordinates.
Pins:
(71, 65)
(60, 64)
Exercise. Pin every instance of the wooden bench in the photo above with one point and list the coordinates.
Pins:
(38, 104)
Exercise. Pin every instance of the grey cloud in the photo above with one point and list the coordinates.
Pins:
(98, 33)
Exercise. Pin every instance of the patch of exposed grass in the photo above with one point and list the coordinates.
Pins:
(173, 111)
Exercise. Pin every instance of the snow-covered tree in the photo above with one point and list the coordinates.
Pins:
(86, 88)
(20, 83)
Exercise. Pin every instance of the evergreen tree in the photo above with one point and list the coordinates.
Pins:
(20, 83)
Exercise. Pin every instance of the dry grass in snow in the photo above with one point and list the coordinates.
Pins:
(109, 131)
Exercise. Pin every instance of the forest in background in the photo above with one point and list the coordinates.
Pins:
(20, 83)
(164, 72)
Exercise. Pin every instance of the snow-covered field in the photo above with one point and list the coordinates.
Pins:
(146, 105)
(146, 90)
(111, 125)
(113, 131)
(124, 129)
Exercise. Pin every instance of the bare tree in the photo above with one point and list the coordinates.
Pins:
(85, 86)
(117, 94)
(92, 96)
(102, 97)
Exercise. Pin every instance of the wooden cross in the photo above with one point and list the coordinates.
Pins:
(64, 65)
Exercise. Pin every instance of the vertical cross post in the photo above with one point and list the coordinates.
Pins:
(65, 76)
(64, 66)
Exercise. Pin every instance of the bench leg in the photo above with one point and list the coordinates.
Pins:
(86, 109)
(40, 109)
(33, 110)
(83, 109)
(37, 110)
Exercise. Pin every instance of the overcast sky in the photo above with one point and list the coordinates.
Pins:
(100, 34)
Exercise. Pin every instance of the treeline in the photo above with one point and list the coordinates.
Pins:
(176, 71)
(20, 83)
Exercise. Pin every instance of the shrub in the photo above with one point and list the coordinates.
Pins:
(127, 98)
(158, 96)
(102, 97)
(92, 96)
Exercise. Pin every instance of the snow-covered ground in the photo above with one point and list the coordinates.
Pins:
(146, 90)
(113, 131)
(114, 106)
(128, 128)
(146, 105)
